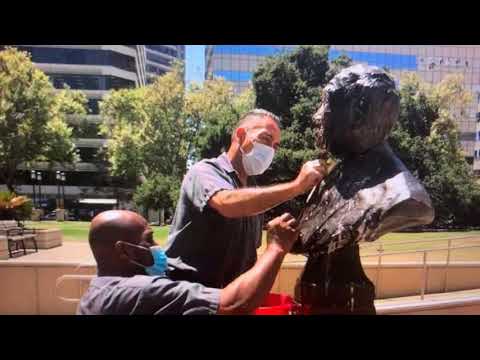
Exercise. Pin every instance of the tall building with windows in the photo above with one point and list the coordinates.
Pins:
(237, 63)
(159, 58)
(95, 70)
(432, 63)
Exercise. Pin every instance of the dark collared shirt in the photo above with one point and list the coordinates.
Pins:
(203, 246)
(147, 295)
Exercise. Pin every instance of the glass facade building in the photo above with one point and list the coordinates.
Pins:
(159, 58)
(432, 63)
(237, 63)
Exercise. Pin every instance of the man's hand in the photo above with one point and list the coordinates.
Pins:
(311, 174)
(250, 289)
(282, 232)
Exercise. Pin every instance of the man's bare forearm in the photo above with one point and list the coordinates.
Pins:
(248, 291)
(253, 201)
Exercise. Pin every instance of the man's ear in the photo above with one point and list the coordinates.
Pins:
(121, 250)
(129, 251)
(240, 134)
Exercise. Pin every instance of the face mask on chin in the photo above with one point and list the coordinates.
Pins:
(258, 160)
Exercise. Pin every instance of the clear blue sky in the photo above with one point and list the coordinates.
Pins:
(194, 63)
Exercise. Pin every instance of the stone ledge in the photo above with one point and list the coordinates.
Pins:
(4, 248)
(46, 239)
(3, 244)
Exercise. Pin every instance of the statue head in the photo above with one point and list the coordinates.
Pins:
(359, 108)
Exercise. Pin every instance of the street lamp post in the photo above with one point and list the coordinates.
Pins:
(33, 177)
(58, 177)
(39, 179)
(64, 178)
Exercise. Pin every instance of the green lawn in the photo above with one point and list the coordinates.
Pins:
(78, 231)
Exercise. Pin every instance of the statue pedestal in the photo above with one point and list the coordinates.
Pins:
(336, 284)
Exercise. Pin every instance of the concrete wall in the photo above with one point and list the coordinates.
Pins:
(452, 303)
(460, 309)
(30, 288)
(397, 280)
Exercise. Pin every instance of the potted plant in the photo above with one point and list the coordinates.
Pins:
(13, 207)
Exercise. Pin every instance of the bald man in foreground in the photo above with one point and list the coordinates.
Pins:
(121, 242)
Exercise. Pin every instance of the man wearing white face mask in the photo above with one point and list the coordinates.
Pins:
(218, 221)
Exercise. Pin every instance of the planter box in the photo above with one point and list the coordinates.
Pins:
(46, 239)
(3, 248)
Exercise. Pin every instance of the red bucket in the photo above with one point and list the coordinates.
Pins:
(277, 304)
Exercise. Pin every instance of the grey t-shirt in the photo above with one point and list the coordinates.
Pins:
(203, 246)
(147, 295)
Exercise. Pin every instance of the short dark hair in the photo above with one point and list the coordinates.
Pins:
(258, 113)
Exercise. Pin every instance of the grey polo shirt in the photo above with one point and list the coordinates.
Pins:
(147, 295)
(203, 246)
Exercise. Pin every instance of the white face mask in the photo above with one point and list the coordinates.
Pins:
(258, 159)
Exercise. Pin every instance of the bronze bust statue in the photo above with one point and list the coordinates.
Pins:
(369, 193)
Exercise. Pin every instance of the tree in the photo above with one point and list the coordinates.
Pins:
(213, 111)
(153, 130)
(426, 140)
(147, 132)
(32, 118)
(290, 86)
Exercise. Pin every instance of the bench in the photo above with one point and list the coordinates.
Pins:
(17, 235)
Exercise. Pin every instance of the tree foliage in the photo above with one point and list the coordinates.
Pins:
(213, 111)
(426, 139)
(147, 136)
(154, 130)
(33, 123)
(290, 86)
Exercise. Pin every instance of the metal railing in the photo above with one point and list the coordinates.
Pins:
(400, 242)
(424, 283)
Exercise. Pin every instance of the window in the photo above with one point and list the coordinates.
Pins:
(81, 57)
(155, 70)
(93, 106)
(163, 49)
(89, 82)
(88, 154)
(86, 130)
(158, 59)
(392, 61)
(467, 136)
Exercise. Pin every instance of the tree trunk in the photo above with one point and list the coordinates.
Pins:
(162, 217)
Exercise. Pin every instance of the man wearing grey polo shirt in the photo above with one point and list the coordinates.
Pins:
(123, 246)
(217, 226)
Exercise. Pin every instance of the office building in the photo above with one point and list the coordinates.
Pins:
(237, 63)
(432, 63)
(159, 58)
(95, 70)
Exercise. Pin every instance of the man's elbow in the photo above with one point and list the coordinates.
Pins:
(237, 308)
